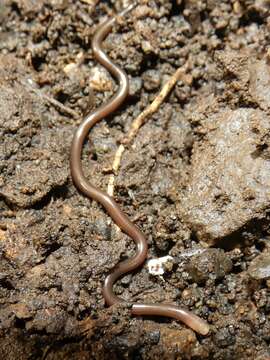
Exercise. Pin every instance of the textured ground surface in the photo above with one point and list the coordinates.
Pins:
(196, 179)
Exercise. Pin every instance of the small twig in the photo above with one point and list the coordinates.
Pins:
(154, 106)
(50, 100)
(115, 167)
(140, 120)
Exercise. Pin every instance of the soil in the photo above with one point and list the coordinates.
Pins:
(195, 179)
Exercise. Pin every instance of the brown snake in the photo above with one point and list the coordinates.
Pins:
(113, 209)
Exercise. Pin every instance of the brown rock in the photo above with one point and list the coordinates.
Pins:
(211, 263)
(259, 268)
(21, 310)
(229, 183)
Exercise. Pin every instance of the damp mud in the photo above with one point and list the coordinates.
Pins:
(195, 179)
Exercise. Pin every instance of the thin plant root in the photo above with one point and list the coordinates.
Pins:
(140, 120)
(154, 106)
(64, 109)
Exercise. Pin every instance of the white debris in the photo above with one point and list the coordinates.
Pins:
(160, 265)
(100, 79)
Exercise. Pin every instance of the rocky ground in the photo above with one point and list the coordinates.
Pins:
(195, 180)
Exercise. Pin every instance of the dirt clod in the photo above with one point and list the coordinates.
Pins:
(229, 185)
(211, 264)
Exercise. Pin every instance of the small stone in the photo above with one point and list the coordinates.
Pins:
(147, 47)
(126, 280)
(259, 268)
(135, 86)
(237, 7)
(100, 79)
(151, 79)
(154, 336)
(212, 263)
(21, 311)
(70, 68)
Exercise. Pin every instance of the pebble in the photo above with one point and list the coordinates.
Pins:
(100, 79)
(151, 79)
(212, 263)
(259, 268)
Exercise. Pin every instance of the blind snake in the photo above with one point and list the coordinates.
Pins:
(113, 209)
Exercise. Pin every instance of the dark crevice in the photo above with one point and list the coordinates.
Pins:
(51, 346)
(196, 84)
(51, 249)
(10, 205)
(4, 206)
(150, 61)
(204, 15)
(15, 8)
(260, 245)
(164, 252)
(86, 313)
(19, 323)
(259, 151)
(58, 192)
(237, 269)
(94, 156)
(194, 237)
(221, 33)
(62, 97)
(37, 62)
(246, 235)
(136, 355)
(177, 9)
(4, 283)
(243, 103)
(252, 16)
